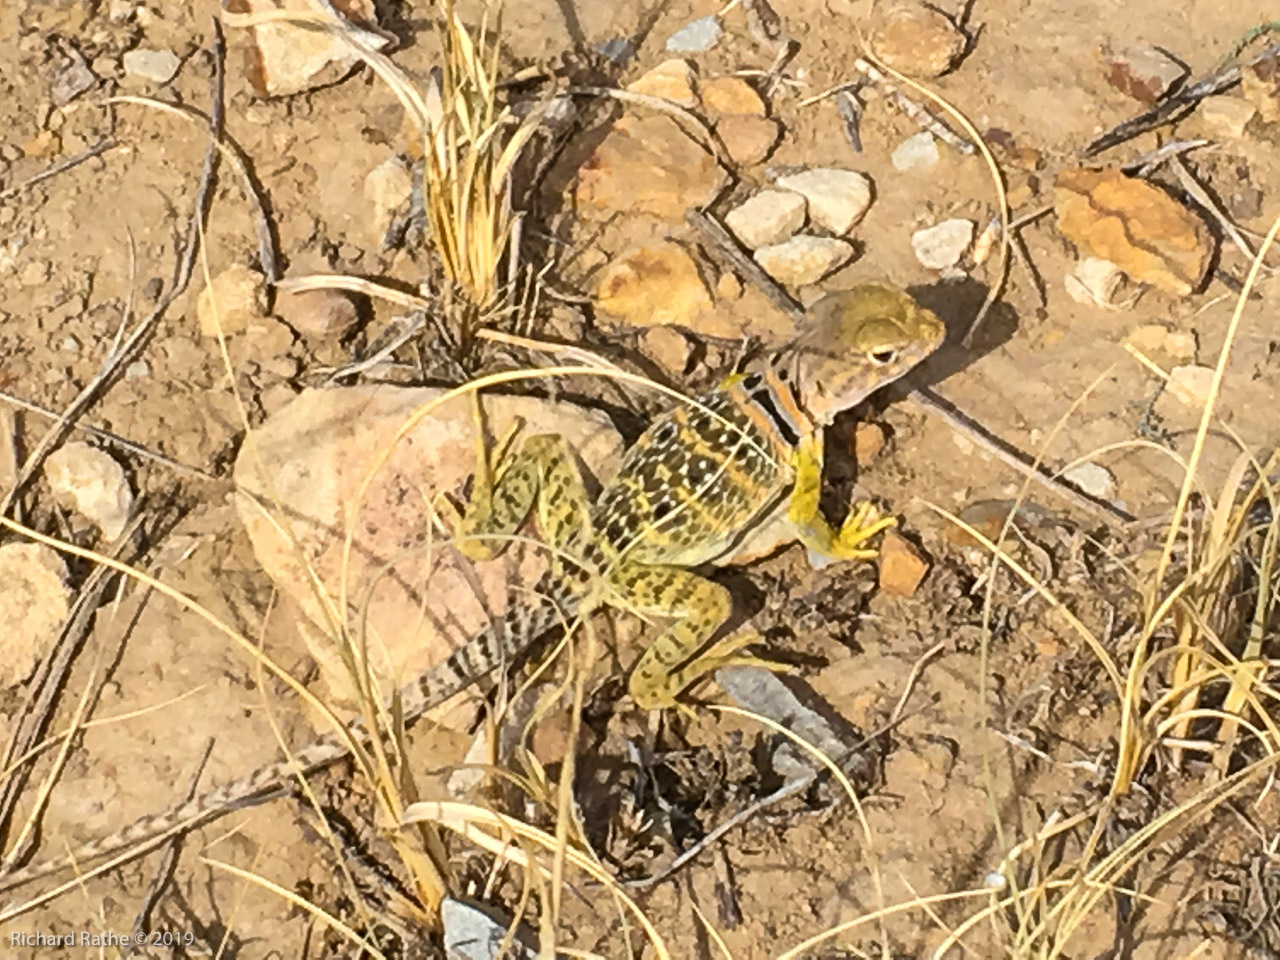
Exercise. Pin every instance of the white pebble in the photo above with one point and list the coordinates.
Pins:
(916, 153)
(942, 246)
(1091, 478)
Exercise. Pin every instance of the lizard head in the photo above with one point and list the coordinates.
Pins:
(855, 342)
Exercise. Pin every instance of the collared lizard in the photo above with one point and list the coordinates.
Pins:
(740, 468)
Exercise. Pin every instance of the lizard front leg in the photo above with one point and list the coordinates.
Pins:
(825, 543)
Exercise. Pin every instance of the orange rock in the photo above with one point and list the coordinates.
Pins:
(918, 41)
(868, 440)
(748, 139)
(729, 96)
(654, 285)
(902, 565)
(1137, 226)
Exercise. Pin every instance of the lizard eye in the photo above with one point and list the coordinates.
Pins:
(882, 357)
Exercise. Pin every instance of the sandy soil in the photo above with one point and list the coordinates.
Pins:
(959, 781)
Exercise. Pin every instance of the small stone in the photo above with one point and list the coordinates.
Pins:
(648, 165)
(1260, 84)
(289, 58)
(919, 42)
(1092, 479)
(318, 314)
(235, 298)
(696, 37)
(942, 246)
(73, 79)
(916, 153)
(46, 143)
(34, 273)
(1137, 226)
(838, 199)
(1094, 282)
(868, 440)
(69, 345)
(1144, 72)
(749, 140)
(770, 217)
(902, 565)
(670, 80)
(731, 96)
(654, 285)
(669, 348)
(1226, 117)
(137, 370)
(36, 602)
(803, 259)
(90, 482)
(1191, 383)
(387, 189)
(153, 66)
(617, 50)
(1148, 338)
(728, 287)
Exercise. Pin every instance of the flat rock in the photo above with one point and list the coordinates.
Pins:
(1151, 338)
(299, 478)
(1191, 383)
(235, 298)
(152, 66)
(838, 199)
(731, 96)
(92, 483)
(1144, 72)
(648, 165)
(652, 285)
(318, 314)
(387, 189)
(72, 78)
(36, 602)
(1093, 479)
(941, 246)
(918, 41)
(673, 80)
(749, 140)
(803, 259)
(1138, 227)
(696, 37)
(769, 217)
(1226, 117)
(902, 565)
(668, 348)
(290, 58)
(1094, 282)
(919, 152)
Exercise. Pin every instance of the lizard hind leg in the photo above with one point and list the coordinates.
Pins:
(698, 609)
(541, 476)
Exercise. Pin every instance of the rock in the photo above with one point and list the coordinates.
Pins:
(941, 246)
(72, 79)
(918, 41)
(137, 370)
(153, 66)
(916, 153)
(318, 314)
(648, 165)
(838, 199)
(289, 58)
(1149, 338)
(414, 597)
(670, 80)
(1226, 117)
(731, 96)
(768, 218)
(34, 273)
(728, 287)
(668, 348)
(1144, 73)
(236, 297)
(387, 189)
(653, 285)
(1095, 282)
(470, 933)
(1136, 226)
(1260, 84)
(1091, 478)
(748, 140)
(902, 565)
(90, 482)
(36, 602)
(617, 50)
(803, 259)
(868, 440)
(697, 37)
(1191, 383)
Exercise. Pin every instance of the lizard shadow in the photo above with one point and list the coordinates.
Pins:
(957, 304)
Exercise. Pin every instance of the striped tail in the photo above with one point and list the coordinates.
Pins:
(494, 647)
